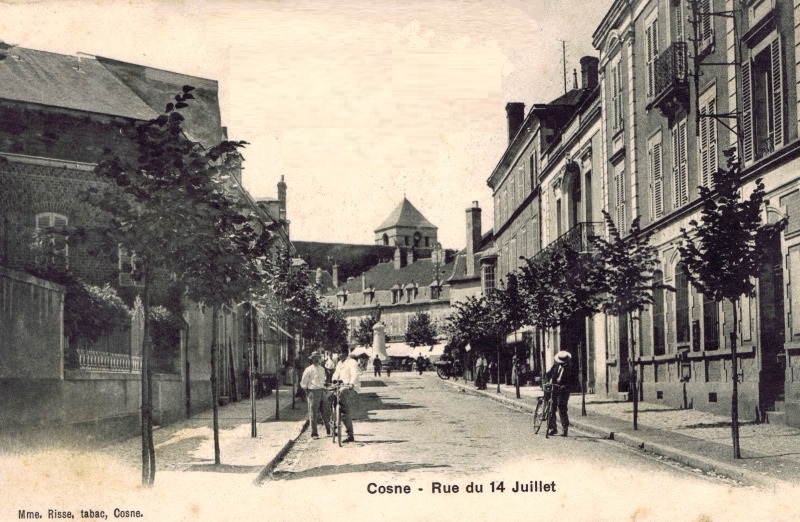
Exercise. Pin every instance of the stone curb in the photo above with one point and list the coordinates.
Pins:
(266, 472)
(683, 457)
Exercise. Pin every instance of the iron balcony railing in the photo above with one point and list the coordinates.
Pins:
(578, 238)
(671, 68)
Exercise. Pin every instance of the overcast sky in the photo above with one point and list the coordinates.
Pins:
(354, 102)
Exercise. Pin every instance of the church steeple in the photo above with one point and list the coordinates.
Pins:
(406, 227)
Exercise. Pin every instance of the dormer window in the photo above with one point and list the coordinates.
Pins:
(369, 295)
(397, 293)
(436, 290)
(341, 298)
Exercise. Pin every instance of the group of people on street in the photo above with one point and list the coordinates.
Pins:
(314, 381)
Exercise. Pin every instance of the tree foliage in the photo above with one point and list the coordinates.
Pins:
(421, 330)
(363, 333)
(723, 253)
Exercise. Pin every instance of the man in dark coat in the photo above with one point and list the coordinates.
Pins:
(561, 377)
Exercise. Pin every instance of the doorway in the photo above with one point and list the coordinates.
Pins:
(772, 332)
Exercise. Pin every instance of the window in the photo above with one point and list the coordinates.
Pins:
(656, 177)
(659, 341)
(763, 118)
(427, 241)
(651, 53)
(710, 324)
(619, 195)
(559, 224)
(533, 169)
(705, 27)
(679, 166)
(681, 306)
(680, 23)
(488, 279)
(54, 248)
(707, 148)
(616, 97)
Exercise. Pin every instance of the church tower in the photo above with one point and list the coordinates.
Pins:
(407, 228)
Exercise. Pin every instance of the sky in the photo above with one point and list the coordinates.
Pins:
(355, 103)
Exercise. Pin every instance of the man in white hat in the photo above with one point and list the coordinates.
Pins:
(560, 376)
(349, 373)
(313, 382)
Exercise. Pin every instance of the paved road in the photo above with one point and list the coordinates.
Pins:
(417, 434)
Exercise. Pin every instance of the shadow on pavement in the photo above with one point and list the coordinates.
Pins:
(392, 467)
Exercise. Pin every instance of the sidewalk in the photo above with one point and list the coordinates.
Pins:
(770, 452)
(187, 446)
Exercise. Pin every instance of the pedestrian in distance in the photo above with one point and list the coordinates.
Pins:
(313, 382)
(562, 377)
(330, 366)
(349, 374)
(480, 372)
(420, 364)
(376, 365)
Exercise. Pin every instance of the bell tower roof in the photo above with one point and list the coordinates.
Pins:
(405, 215)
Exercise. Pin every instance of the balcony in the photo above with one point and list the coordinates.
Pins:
(671, 89)
(578, 238)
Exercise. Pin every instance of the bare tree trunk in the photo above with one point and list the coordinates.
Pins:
(581, 379)
(277, 382)
(516, 365)
(252, 383)
(632, 371)
(214, 388)
(148, 448)
(737, 454)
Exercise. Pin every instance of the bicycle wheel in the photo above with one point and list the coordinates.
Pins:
(333, 425)
(547, 416)
(442, 372)
(538, 416)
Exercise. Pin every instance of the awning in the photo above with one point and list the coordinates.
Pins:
(274, 326)
(510, 338)
(404, 350)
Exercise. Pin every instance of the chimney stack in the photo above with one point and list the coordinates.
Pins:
(473, 236)
(318, 276)
(282, 199)
(335, 276)
(515, 112)
(398, 258)
(589, 66)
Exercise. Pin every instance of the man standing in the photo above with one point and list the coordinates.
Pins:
(330, 366)
(348, 373)
(561, 377)
(313, 382)
(376, 365)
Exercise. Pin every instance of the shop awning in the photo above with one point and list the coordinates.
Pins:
(517, 336)
(405, 350)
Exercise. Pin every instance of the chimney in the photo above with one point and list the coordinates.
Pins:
(335, 276)
(589, 65)
(515, 112)
(473, 235)
(318, 276)
(398, 258)
(282, 199)
(363, 282)
(411, 256)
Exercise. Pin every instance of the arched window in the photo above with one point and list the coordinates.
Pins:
(54, 248)
(710, 324)
(659, 344)
(682, 328)
(385, 239)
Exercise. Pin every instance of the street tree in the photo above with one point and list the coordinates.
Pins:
(724, 252)
(474, 322)
(166, 208)
(421, 331)
(512, 314)
(627, 266)
(363, 333)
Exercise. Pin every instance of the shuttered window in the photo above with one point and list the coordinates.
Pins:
(705, 28)
(679, 165)
(707, 149)
(763, 111)
(619, 193)
(651, 53)
(656, 178)
(616, 97)
(710, 324)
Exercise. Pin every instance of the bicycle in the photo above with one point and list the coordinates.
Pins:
(336, 410)
(545, 411)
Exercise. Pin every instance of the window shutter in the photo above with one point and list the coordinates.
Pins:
(679, 24)
(708, 143)
(679, 166)
(747, 113)
(43, 220)
(620, 186)
(658, 185)
(706, 28)
(651, 41)
(777, 92)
